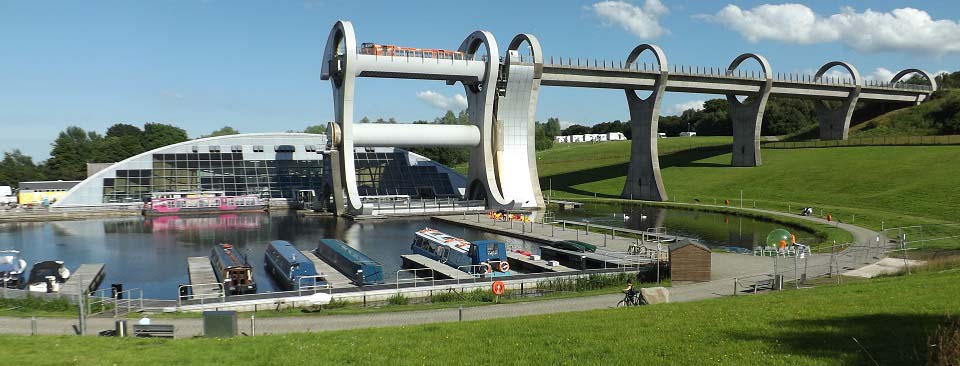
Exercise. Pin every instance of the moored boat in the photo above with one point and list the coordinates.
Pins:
(203, 205)
(12, 268)
(290, 268)
(481, 257)
(47, 276)
(232, 270)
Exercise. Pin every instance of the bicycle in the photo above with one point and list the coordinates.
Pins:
(634, 299)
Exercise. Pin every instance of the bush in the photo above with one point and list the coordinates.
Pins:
(37, 304)
(944, 345)
(586, 283)
(398, 299)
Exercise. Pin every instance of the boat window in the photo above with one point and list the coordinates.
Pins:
(493, 251)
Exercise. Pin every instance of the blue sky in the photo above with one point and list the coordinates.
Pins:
(254, 65)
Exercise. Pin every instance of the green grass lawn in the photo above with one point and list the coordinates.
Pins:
(868, 186)
(891, 318)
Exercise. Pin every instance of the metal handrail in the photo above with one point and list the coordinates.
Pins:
(222, 295)
(415, 278)
(128, 300)
(326, 285)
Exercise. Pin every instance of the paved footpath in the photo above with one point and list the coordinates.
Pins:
(726, 266)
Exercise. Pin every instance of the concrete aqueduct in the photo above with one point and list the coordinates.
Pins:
(502, 99)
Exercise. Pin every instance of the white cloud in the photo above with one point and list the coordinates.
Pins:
(880, 74)
(455, 103)
(679, 108)
(643, 22)
(904, 29)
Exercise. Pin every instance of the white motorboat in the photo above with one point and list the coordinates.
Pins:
(11, 269)
(47, 276)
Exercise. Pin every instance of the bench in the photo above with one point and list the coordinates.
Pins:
(153, 330)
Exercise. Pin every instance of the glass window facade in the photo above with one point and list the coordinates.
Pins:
(229, 173)
(389, 173)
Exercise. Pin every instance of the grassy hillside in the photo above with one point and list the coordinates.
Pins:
(891, 319)
(867, 185)
(938, 116)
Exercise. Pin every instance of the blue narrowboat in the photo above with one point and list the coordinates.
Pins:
(232, 270)
(355, 265)
(481, 257)
(289, 267)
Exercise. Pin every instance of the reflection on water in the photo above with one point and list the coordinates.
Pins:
(150, 253)
(710, 228)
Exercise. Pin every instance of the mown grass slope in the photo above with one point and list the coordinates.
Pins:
(937, 116)
(891, 319)
(866, 185)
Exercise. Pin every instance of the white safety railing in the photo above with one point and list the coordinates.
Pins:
(315, 287)
(203, 296)
(432, 279)
(128, 300)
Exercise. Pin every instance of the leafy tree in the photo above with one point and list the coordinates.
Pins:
(317, 129)
(123, 129)
(671, 125)
(575, 130)
(116, 148)
(17, 167)
(541, 140)
(226, 130)
(364, 120)
(71, 151)
(552, 127)
(159, 135)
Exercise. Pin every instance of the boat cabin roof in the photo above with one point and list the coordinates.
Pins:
(229, 257)
(290, 252)
(438, 237)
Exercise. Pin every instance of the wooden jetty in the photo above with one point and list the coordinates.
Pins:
(518, 260)
(646, 236)
(87, 276)
(545, 233)
(566, 205)
(440, 270)
(200, 272)
(332, 276)
(588, 260)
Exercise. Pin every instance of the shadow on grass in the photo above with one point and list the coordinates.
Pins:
(564, 182)
(890, 339)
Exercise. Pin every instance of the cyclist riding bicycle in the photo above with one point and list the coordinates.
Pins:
(629, 290)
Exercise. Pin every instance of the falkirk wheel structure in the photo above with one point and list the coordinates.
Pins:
(502, 91)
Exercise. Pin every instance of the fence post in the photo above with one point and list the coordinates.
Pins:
(253, 325)
(735, 280)
(460, 313)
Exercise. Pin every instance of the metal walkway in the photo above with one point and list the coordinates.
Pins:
(439, 269)
(332, 276)
(87, 276)
(518, 260)
(200, 272)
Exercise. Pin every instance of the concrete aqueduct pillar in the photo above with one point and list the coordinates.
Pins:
(482, 182)
(747, 116)
(643, 174)
(339, 60)
(931, 80)
(835, 122)
(516, 107)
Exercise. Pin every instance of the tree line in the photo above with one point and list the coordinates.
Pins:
(74, 147)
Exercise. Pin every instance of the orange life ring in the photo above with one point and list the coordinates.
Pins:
(486, 267)
(504, 266)
(497, 288)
